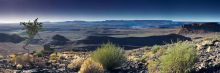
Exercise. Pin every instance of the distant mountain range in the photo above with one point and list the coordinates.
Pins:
(107, 24)
(120, 23)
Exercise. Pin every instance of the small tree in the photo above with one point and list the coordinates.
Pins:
(32, 29)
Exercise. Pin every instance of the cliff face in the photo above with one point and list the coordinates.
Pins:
(199, 28)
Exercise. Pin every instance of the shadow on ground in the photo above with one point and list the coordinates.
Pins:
(132, 42)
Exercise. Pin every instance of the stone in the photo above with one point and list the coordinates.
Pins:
(200, 47)
(207, 43)
(19, 66)
(217, 44)
(29, 71)
(62, 65)
(17, 71)
(208, 49)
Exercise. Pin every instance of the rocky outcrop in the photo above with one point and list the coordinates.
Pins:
(199, 28)
(209, 57)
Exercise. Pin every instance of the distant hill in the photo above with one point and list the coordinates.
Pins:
(59, 40)
(11, 38)
(199, 28)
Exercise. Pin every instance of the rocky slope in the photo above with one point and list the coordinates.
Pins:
(208, 51)
(209, 56)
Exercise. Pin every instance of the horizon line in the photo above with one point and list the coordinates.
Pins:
(111, 20)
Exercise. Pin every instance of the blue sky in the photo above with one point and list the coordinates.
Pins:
(66, 10)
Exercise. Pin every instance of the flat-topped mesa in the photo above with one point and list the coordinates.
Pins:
(199, 28)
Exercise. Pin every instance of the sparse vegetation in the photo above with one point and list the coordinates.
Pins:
(143, 59)
(32, 29)
(90, 66)
(109, 55)
(153, 66)
(155, 48)
(12, 58)
(55, 56)
(179, 58)
(1, 57)
(39, 54)
(21, 59)
(76, 63)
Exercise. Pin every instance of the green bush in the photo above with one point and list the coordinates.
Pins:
(109, 55)
(155, 48)
(143, 59)
(39, 54)
(152, 66)
(179, 58)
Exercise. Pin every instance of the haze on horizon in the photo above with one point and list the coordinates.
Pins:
(13, 11)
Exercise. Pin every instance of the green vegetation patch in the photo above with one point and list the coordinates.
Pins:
(109, 55)
(179, 58)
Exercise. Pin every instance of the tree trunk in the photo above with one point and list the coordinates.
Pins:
(24, 47)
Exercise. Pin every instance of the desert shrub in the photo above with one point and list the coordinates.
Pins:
(39, 54)
(76, 63)
(159, 53)
(90, 66)
(153, 66)
(55, 56)
(24, 59)
(1, 57)
(109, 55)
(12, 58)
(179, 58)
(143, 59)
(155, 48)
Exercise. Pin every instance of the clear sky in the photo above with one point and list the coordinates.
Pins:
(65, 10)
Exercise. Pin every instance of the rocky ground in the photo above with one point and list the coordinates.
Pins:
(208, 60)
(61, 66)
(209, 56)
(208, 51)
